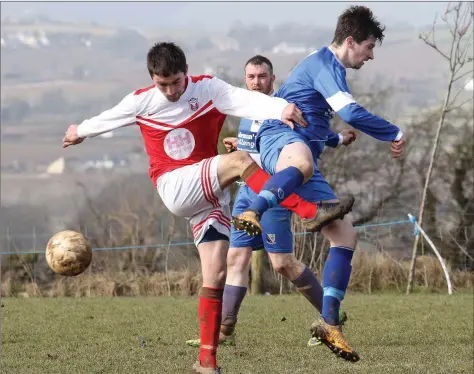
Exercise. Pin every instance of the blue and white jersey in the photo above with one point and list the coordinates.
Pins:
(247, 138)
(317, 85)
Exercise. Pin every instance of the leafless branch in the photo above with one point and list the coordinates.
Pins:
(458, 106)
(463, 250)
(460, 76)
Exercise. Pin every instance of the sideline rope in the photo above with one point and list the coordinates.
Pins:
(179, 244)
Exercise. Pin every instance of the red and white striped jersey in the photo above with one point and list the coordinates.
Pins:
(187, 131)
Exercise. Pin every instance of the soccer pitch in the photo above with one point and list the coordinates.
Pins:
(420, 333)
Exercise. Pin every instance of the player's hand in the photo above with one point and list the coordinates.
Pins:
(398, 147)
(292, 114)
(71, 137)
(230, 144)
(348, 136)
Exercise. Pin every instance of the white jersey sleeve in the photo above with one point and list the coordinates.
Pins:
(123, 114)
(242, 103)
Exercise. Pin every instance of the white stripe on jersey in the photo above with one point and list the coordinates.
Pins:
(339, 100)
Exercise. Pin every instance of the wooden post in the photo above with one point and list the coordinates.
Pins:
(256, 270)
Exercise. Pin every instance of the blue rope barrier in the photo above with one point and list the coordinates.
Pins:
(34, 252)
(415, 229)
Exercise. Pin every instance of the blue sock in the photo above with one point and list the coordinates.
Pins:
(276, 189)
(336, 275)
(233, 297)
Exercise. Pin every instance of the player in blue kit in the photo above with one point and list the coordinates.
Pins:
(277, 237)
(317, 85)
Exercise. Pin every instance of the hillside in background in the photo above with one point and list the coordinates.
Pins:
(55, 73)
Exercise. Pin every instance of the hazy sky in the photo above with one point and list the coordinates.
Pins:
(219, 15)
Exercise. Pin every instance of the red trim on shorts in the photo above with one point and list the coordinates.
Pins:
(206, 184)
(218, 215)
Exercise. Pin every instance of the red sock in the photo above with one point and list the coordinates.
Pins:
(210, 315)
(255, 178)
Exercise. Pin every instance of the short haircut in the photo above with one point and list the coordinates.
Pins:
(165, 59)
(259, 60)
(359, 22)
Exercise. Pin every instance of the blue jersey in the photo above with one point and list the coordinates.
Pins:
(248, 130)
(247, 138)
(317, 85)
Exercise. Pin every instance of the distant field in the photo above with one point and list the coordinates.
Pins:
(60, 28)
(46, 151)
(422, 333)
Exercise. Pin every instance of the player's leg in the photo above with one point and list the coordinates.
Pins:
(212, 252)
(337, 268)
(238, 262)
(278, 241)
(193, 191)
(290, 160)
(239, 164)
(235, 290)
(343, 240)
(336, 275)
(284, 262)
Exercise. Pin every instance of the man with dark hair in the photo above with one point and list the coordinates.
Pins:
(277, 237)
(318, 86)
(259, 60)
(180, 118)
(165, 59)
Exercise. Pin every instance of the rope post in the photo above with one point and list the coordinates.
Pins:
(418, 229)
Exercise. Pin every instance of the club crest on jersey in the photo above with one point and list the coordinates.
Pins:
(193, 104)
(329, 113)
(271, 238)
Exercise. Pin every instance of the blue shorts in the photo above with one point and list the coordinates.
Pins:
(276, 224)
(270, 146)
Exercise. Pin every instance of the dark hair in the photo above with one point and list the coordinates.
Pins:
(259, 60)
(359, 22)
(165, 59)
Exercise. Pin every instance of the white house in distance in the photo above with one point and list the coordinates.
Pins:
(469, 85)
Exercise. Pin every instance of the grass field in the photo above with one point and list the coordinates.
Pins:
(422, 333)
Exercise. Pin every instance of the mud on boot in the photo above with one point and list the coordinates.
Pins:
(198, 369)
(334, 339)
(329, 212)
(248, 221)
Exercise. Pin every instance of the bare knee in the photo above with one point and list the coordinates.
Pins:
(307, 168)
(286, 264)
(299, 156)
(341, 233)
(240, 160)
(213, 262)
(220, 276)
(238, 260)
(231, 167)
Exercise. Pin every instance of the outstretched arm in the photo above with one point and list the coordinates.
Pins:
(331, 83)
(123, 114)
(345, 137)
(333, 139)
(252, 105)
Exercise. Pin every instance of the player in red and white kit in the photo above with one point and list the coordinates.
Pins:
(180, 118)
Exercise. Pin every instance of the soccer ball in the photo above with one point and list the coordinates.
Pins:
(68, 253)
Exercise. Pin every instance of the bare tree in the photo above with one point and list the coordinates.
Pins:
(458, 18)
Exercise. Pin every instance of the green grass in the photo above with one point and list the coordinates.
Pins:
(422, 333)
